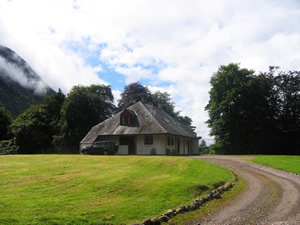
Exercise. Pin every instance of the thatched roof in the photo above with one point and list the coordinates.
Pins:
(148, 120)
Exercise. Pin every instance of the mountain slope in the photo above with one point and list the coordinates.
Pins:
(20, 85)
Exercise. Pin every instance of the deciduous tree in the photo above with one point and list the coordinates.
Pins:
(284, 104)
(235, 109)
(83, 108)
(133, 93)
(32, 131)
(165, 101)
(250, 114)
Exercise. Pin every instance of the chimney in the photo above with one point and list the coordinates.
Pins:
(150, 107)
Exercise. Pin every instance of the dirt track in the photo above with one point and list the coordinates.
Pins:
(272, 196)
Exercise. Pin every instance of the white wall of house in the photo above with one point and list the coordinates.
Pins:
(158, 146)
(164, 143)
(179, 145)
(187, 146)
(123, 150)
(195, 147)
(161, 144)
(170, 143)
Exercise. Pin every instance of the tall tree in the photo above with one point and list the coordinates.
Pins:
(32, 131)
(165, 101)
(53, 109)
(284, 100)
(255, 114)
(133, 93)
(5, 121)
(203, 148)
(83, 108)
(185, 120)
(234, 109)
(136, 92)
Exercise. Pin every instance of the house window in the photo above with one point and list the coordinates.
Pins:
(148, 140)
(125, 120)
(128, 120)
(170, 141)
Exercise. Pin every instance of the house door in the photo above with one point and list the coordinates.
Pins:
(130, 142)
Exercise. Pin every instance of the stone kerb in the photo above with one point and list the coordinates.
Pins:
(196, 204)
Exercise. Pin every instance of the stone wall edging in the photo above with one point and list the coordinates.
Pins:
(197, 203)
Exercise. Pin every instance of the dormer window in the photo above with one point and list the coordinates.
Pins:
(127, 118)
(123, 120)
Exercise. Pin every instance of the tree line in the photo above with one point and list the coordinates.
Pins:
(59, 125)
(254, 114)
(248, 114)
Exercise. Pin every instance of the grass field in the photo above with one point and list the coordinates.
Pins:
(282, 162)
(76, 189)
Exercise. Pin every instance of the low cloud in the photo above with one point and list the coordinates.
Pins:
(16, 73)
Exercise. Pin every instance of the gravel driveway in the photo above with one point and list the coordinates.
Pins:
(271, 197)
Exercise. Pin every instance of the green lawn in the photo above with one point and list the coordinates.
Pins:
(77, 189)
(282, 162)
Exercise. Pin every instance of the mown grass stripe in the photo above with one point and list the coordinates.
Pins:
(281, 162)
(75, 189)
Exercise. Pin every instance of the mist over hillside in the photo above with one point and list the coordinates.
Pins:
(20, 85)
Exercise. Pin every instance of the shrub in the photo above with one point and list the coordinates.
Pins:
(8, 147)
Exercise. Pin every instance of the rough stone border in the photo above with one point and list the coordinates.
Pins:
(197, 203)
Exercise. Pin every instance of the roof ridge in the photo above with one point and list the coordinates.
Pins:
(180, 123)
(110, 118)
(99, 124)
(153, 117)
(172, 120)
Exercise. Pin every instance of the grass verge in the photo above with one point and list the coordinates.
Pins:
(281, 162)
(211, 206)
(76, 189)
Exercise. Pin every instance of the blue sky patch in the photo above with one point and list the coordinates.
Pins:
(109, 74)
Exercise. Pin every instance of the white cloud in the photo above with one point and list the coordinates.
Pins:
(11, 71)
(181, 42)
(117, 96)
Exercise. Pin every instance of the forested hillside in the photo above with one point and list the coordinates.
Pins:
(20, 85)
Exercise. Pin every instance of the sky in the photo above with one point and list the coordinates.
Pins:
(167, 45)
